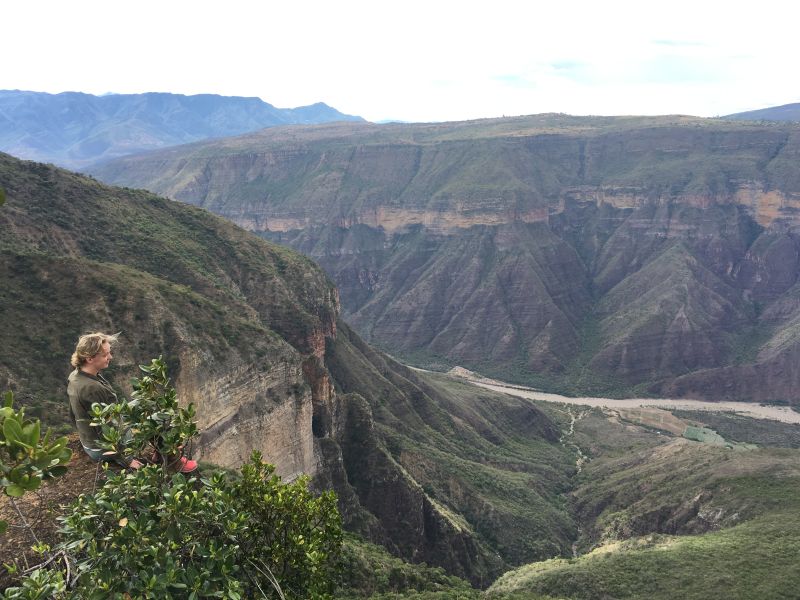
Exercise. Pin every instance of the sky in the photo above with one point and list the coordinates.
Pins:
(410, 60)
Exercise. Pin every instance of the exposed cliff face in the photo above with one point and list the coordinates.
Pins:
(418, 459)
(453, 176)
(601, 255)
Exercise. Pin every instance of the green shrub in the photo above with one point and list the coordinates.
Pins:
(150, 424)
(212, 537)
(25, 458)
(41, 584)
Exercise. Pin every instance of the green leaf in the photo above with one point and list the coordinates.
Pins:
(32, 432)
(15, 491)
(8, 399)
(12, 430)
(56, 471)
(32, 484)
(3, 526)
(2, 196)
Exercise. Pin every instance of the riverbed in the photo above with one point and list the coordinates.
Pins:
(750, 409)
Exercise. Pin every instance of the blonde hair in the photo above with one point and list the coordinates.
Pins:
(90, 345)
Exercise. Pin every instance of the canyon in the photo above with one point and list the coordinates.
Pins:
(584, 255)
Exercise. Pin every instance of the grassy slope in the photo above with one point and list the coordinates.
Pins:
(352, 166)
(78, 255)
(742, 429)
(755, 560)
(370, 572)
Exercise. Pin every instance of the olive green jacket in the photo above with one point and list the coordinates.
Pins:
(83, 391)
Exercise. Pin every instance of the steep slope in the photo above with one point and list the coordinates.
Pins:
(472, 299)
(611, 255)
(238, 318)
(74, 130)
(251, 335)
(491, 463)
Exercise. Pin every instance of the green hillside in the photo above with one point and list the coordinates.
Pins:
(662, 517)
(751, 561)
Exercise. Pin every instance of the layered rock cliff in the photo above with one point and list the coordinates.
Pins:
(602, 255)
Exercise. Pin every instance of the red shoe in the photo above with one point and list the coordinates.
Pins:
(186, 465)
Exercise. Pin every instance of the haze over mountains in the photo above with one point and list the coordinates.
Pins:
(73, 129)
(601, 255)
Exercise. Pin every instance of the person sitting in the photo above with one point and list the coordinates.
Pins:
(86, 386)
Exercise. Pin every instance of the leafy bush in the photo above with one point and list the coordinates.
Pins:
(41, 584)
(149, 425)
(25, 458)
(369, 571)
(209, 537)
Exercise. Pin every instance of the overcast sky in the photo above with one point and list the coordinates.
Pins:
(412, 60)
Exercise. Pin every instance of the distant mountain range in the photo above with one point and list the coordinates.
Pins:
(73, 129)
(787, 112)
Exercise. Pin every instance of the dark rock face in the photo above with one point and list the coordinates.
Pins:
(405, 519)
(590, 255)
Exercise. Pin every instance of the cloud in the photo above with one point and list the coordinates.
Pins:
(677, 69)
(515, 81)
(679, 43)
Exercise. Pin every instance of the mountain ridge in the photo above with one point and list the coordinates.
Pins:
(785, 112)
(74, 129)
